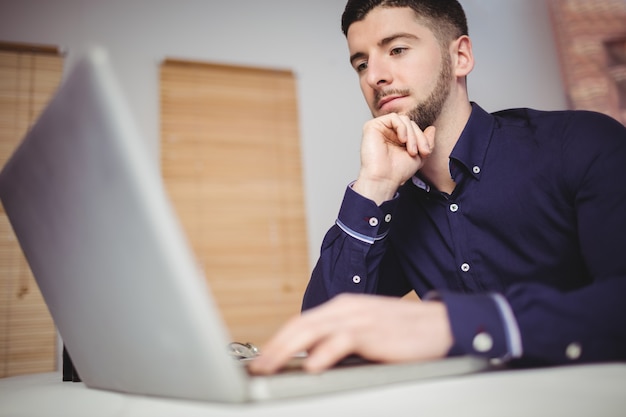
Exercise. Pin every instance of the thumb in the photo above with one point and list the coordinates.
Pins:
(429, 132)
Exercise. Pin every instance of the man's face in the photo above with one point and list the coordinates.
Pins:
(400, 64)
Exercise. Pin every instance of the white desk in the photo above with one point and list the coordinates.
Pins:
(586, 391)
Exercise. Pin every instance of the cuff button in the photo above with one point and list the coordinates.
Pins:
(573, 351)
(483, 342)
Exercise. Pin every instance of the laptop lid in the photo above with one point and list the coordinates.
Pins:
(90, 212)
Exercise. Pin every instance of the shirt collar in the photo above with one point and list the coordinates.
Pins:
(471, 148)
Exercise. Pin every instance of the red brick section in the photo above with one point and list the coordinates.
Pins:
(591, 39)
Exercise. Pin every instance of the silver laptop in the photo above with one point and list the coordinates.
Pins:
(131, 304)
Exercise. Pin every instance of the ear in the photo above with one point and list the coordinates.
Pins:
(462, 56)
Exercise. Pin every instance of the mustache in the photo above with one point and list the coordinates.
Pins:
(381, 94)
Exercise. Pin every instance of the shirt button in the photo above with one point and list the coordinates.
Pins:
(465, 267)
(476, 170)
(573, 351)
(454, 208)
(373, 221)
(388, 218)
(356, 279)
(483, 342)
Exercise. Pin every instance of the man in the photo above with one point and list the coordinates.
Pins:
(511, 226)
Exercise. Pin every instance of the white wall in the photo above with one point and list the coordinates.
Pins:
(514, 48)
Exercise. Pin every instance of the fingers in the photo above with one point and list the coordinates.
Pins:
(317, 331)
(302, 333)
(404, 131)
(393, 149)
(328, 333)
(296, 336)
(333, 348)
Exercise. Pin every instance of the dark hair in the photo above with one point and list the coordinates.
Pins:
(445, 18)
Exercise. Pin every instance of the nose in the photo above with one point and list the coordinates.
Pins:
(378, 73)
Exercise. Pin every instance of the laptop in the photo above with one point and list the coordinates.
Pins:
(130, 302)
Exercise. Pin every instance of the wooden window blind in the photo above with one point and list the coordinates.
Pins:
(230, 155)
(29, 75)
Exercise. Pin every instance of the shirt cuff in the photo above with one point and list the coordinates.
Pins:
(361, 219)
(481, 324)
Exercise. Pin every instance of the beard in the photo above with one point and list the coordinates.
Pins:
(425, 114)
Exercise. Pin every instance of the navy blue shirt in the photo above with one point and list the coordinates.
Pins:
(528, 252)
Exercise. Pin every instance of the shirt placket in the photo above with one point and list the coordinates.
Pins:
(454, 206)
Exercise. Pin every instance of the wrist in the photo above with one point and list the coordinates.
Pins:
(377, 191)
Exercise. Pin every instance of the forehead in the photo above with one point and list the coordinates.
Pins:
(383, 22)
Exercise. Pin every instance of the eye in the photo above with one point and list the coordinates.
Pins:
(399, 50)
(360, 66)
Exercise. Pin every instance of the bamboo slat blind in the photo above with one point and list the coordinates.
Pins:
(28, 79)
(231, 163)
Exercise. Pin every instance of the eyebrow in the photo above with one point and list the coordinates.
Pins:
(383, 42)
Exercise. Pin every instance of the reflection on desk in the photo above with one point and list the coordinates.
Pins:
(581, 390)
